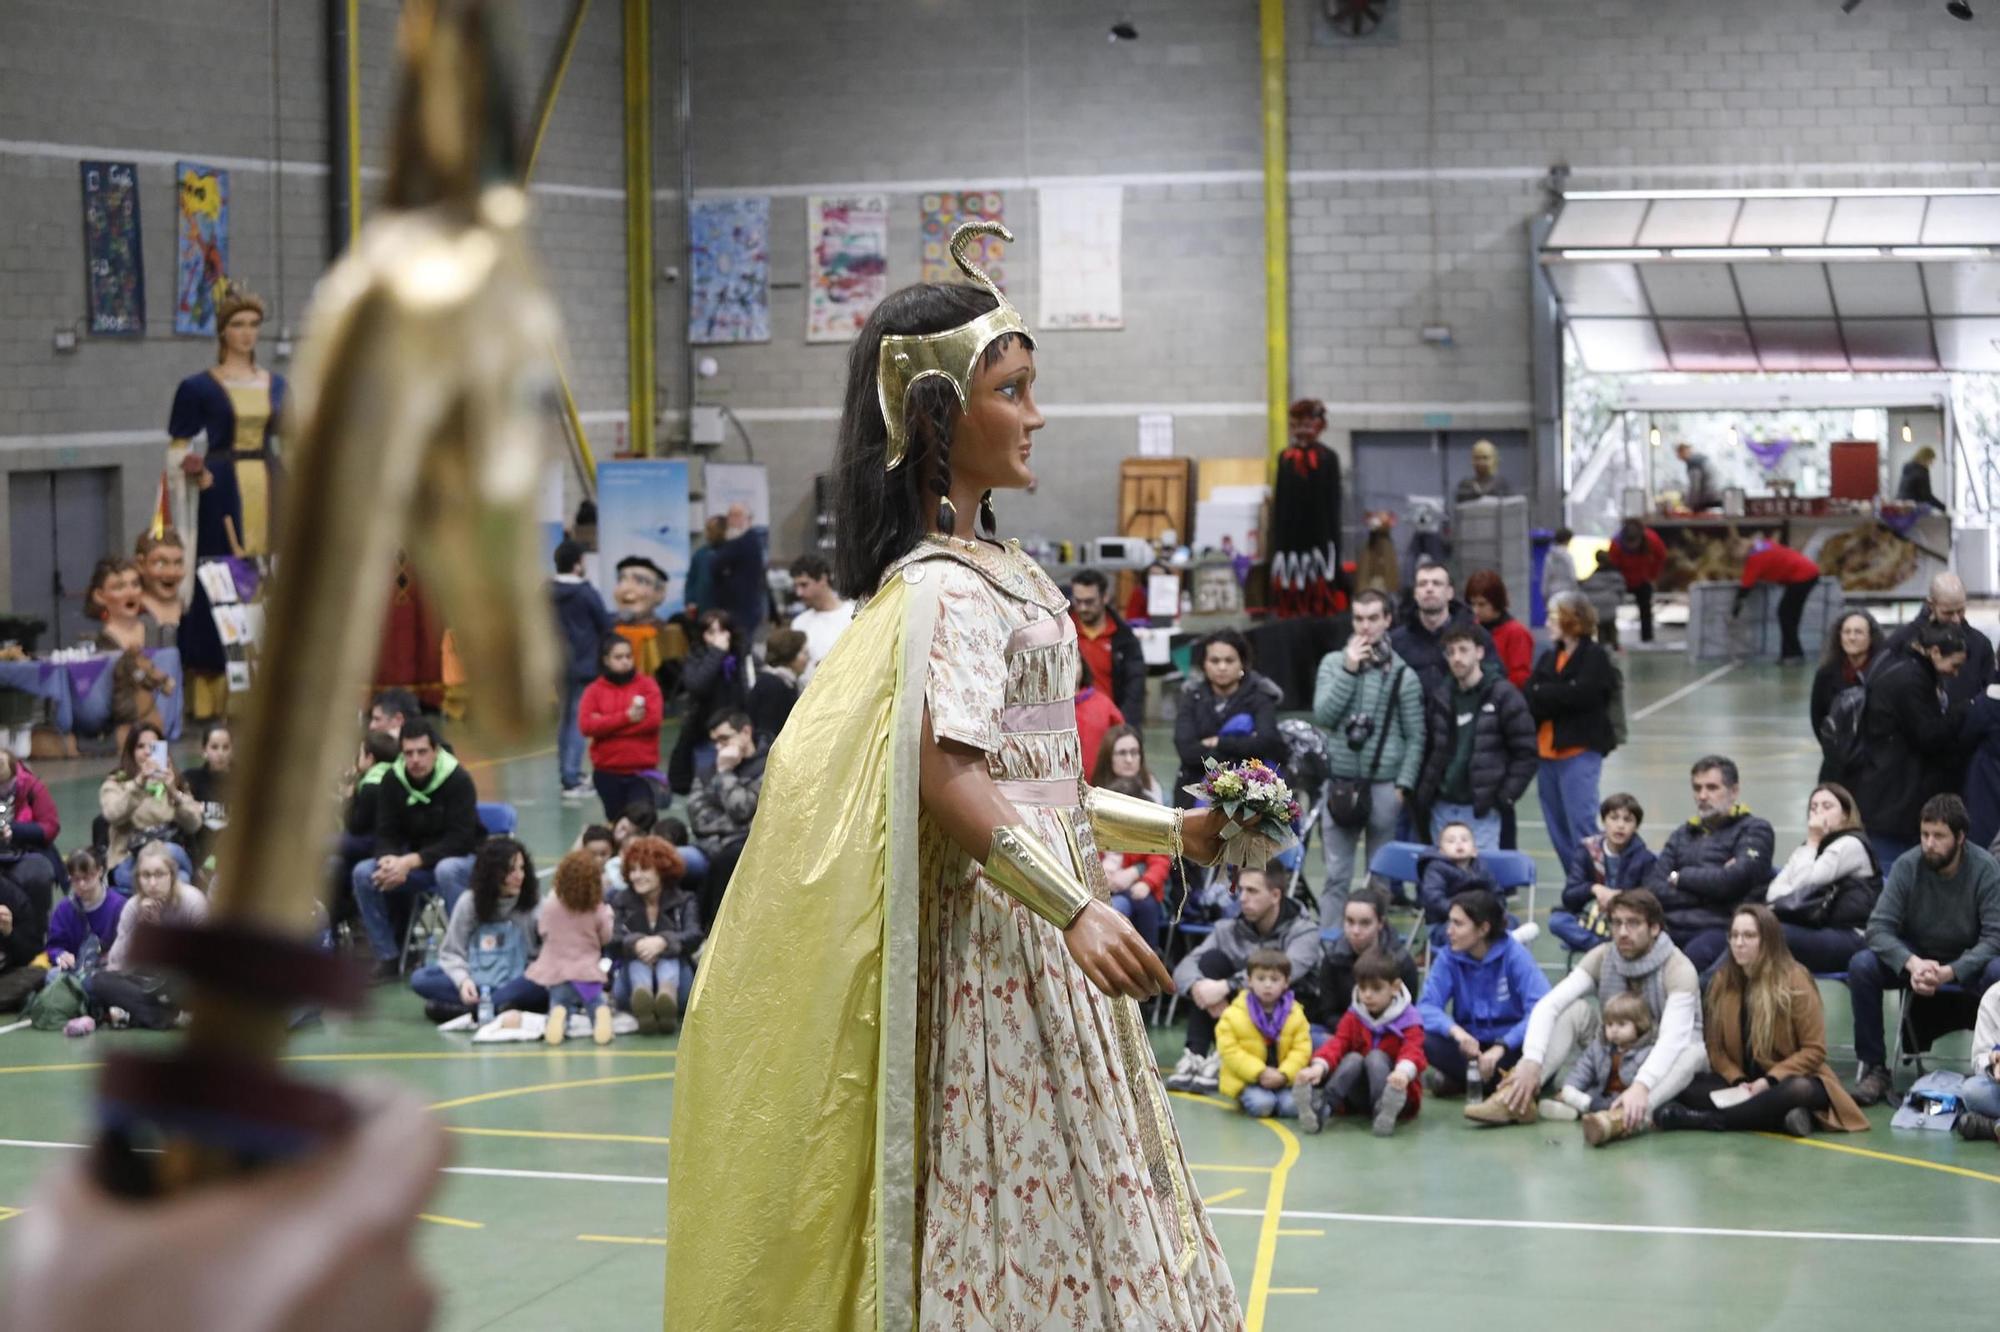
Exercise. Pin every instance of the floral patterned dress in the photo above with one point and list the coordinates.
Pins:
(1054, 1193)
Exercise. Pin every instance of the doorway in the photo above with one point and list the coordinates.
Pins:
(59, 525)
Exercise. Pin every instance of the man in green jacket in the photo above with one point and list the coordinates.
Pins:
(1937, 923)
(1371, 706)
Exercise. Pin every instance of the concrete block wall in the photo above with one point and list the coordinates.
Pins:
(242, 84)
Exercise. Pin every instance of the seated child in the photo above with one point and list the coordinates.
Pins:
(483, 959)
(1454, 868)
(1263, 1039)
(1612, 861)
(1370, 1064)
(1979, 1121)
(575, 925)
(1608, 1066)
(84, 925)
(657, 928)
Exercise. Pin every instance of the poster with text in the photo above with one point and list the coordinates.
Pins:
(201, 246)
(642, 509)
(944, 211)
(114, 268)
(1082, 257)
(725, 485)
(847, 263)
(729, 249)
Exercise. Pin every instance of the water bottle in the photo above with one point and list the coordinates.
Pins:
(1475, 1084)
(485, 1004)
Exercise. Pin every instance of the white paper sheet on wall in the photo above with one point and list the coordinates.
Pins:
(1082, 257)
(1156, 435)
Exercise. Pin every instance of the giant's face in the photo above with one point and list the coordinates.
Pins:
(638, 593)
(162, 571)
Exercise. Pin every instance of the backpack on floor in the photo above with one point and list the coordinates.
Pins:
(61, 998)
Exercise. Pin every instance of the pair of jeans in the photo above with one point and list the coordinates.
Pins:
(449, 879)
(1705, 948)
(434, 986)
(1568, 788)
(1981, 1093)
(1566, 927)
(1822, 951)
(619, 790)
(1888, 850)
(570, 744)
(1868, 976)
(1338, 845)
(1145, 913)
(121, 876)
(1264, 1103)
(1791, 608)
(1485, 831)
(1643, 594)
(668, 974)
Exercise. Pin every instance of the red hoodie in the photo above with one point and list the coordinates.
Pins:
(618, 744)
(1769, 562)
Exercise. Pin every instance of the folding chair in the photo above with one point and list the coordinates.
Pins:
(1904, 1050)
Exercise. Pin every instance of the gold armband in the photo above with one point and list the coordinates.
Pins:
(1024, 867)
(1129, 823)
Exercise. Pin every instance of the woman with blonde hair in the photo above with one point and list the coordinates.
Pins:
(1766, 1035)
(1825, 891)
(1570, 693)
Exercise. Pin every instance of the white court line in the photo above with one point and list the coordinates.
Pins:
(656, 1180)
(1682, 692)
(1606, 1227)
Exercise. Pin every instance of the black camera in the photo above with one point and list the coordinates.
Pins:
(1359, 730)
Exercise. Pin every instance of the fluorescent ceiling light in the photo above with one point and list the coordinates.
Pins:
(1875, 192)
(1832, 252)
(1940, 251)
(1612, 254)
(1721, 252)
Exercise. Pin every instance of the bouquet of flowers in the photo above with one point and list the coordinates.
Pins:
(1258, 805)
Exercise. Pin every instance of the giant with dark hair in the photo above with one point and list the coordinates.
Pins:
(879, 514)
(489, 875)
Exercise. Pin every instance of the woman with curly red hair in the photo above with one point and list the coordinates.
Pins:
(656, 928)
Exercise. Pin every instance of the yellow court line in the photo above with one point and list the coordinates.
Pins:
(1274, 1209)
(1234, 1169)
(1222, 1197)
(1295, 1290)
(551, 1133)
(450, 1221)
(506, 1092)
(9, 1213)
(510, 758)
(1938, 1166)
(1300, 1232)
(621, 1239)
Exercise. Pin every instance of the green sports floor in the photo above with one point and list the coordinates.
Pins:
(553, 1212)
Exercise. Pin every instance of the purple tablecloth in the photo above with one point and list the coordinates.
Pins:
(79, 692)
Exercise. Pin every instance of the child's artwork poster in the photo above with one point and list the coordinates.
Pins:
(201, 247)
(114, 271)
(642, 509)
(729, 244)
(944, 213)
(847, 263)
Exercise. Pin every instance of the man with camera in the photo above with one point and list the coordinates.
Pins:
(1370, 704)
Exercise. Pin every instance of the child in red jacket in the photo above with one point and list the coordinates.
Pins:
(620, 713)
(1372, 1062)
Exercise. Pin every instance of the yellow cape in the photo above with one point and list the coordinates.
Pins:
(792, 1194)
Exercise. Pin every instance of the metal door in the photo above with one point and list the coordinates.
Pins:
(59, 526)
(1517, 459)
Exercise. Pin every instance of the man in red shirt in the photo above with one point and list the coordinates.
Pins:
(1641, 557)
(1108, 646)
(1765, 561)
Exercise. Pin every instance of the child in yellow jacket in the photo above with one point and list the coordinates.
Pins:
(1264, 1039)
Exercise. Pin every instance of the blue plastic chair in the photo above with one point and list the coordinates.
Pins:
(498, 818)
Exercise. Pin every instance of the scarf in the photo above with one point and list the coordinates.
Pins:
(1645, 975)
(447, 764)
(1269, 1025)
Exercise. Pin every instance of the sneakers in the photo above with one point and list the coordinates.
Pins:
(1209, 1077)
(643, 1012)
(1526, 932)
(600, 1025)
(1561, 1112)
(1310, 1119)
(1183, 1076)
(581, 791)
(558, 1025)
(1799, 1122)
(1387, 1110)
(1873, 1085)
(667, 1009)
(1975, 1127)
(1493, 1112)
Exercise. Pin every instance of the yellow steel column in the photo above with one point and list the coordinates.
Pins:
(639, 220)
(1277, 233)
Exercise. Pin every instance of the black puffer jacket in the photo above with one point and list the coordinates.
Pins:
(1201, 715)
(1503, 744)
(1576, 698)
(1710, 886)
(1910, 744)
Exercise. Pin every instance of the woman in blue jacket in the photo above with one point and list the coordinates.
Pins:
(1477, 999)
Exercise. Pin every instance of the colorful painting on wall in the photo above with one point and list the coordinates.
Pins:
(114, 271)
(201, 247)
(729, 298)
(847, 263)
(944, 213)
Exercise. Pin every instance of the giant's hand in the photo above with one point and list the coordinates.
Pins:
(1201, 835)
(1111, 953)
(307, 1248)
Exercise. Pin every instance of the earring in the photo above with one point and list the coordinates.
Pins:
(947, 515)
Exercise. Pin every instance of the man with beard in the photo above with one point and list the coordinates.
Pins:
(1640, 959)
(1718, 858)
(1109, 648)
(1937, 923)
